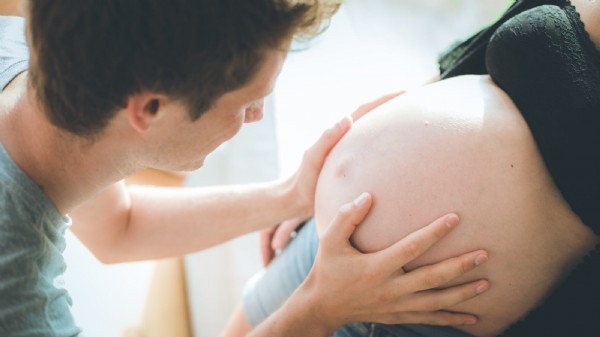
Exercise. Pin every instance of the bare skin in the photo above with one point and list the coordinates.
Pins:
(589, 10)
(429, 151)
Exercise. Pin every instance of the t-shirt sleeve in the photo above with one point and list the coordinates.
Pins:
(14, 53)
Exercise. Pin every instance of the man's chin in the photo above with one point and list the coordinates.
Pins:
(183, 167)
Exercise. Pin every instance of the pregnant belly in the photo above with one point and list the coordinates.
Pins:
(459, 146)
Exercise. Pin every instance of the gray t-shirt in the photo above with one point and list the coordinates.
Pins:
(33, 301)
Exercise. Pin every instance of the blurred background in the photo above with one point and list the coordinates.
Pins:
(371, 48)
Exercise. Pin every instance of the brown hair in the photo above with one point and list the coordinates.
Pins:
(89, 56)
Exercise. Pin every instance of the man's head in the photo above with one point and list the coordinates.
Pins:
(90, 56)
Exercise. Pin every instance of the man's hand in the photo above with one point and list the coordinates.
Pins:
(303, 183)
(276, 238)
(348, 286)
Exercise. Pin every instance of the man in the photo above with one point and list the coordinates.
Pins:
(114, 87)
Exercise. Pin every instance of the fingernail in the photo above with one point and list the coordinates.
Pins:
(451, 220)
(481, 288)
(362, 199)
(480, 259)
(347, 207)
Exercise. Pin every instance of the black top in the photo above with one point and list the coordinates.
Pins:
(540, 54)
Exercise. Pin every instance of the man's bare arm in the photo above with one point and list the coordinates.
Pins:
(129, 223)
(135, 223)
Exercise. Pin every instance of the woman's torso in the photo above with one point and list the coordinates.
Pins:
(460, 145)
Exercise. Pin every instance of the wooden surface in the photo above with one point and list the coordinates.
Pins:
(166, 311)
(156, 178)
(10, 8)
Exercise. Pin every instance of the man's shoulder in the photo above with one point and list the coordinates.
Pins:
(11, 193)
(17, 191)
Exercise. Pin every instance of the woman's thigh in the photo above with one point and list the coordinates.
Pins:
(266, 291)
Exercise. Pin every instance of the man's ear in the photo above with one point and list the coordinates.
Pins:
(142, 110)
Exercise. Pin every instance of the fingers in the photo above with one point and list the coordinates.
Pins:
(343, 225)
(365, 108)
(423, 281)
(283, 233)
(426, 307)
(434, 300)
(438, 274)
(317, 153)
(418, 242)
(266, 252)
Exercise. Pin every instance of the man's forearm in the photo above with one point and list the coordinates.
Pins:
(170, 222)
(153, 223)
